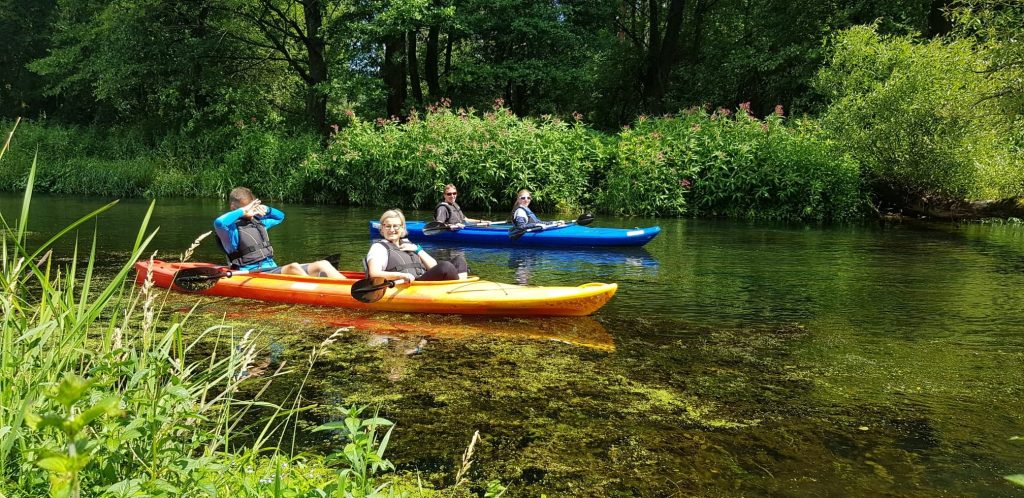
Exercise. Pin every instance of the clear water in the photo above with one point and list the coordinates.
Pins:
(737, 359)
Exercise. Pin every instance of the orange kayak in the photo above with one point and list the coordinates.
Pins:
(465, 297)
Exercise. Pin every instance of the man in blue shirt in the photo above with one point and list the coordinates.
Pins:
(242, 234)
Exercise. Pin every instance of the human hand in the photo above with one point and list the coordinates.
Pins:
(407, 278)
(253, 209)
(458, 226)
(408, 246)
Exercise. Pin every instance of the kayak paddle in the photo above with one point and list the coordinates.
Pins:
(435, 227)
(515, 233)
(370, 290)
(204, 277)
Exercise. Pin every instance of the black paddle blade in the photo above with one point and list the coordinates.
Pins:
(585, 219)
(198, 279)
(334, 260)
(515, 233)
(434, 228)
(370, 290)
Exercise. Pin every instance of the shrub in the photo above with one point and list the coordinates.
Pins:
(912, 113)
(490, 157)
(718, 165)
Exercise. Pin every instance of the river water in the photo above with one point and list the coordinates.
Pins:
(737, 359)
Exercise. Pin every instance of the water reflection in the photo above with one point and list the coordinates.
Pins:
(536, 266)
(407, 328)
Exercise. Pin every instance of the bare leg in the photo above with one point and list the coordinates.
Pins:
(293, 269)
(324, 269)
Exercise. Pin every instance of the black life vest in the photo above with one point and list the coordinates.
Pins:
(402, 261)
(253, 244)
(454, 213)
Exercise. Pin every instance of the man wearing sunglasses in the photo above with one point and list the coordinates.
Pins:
(450, 213)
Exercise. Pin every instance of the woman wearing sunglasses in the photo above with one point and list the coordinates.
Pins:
(395, 258)
(523, 218)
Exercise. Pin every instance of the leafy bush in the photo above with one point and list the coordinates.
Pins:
(489, 157)
(717, 165)
(913, 113)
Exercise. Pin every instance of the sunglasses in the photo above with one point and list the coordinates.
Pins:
(525, 197)
(451, 193)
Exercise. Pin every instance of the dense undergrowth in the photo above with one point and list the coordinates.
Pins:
(696, 163)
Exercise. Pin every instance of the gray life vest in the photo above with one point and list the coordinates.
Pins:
(253, 244)
(454, 213)
(402, 261)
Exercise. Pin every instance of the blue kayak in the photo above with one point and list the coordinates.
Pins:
(569, 235)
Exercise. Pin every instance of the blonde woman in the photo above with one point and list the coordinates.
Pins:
(395, 258)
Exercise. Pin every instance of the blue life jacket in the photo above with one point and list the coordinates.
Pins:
(531, 219)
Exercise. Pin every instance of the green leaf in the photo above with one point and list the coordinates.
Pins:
(1017, 479)
(56, 463)
(71, 389)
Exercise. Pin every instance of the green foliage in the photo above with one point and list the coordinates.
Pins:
(101, 396)
(363, 454)
(995, 25)
(717, 165)
(490, 157)
(913, 114)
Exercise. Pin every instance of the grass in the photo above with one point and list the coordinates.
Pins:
(101, 395)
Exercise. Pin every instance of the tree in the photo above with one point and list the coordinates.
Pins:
(995, 26)
(26, 24)
(302, 34)
(142, 60)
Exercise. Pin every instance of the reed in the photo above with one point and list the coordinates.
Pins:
(102, 395)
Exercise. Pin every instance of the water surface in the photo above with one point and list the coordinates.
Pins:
(737, 359)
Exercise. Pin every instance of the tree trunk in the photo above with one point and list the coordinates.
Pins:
(316, 100)
(414, 70)
(1012, 207)
(448, 54)
(938, 24)
(663, 52)
(430, 64)
(394, 74)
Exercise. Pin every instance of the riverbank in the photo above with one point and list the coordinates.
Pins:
(698, 163)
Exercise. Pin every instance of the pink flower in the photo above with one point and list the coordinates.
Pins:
(334, 127)
(350, 113)
(764, 127)
(745, 106)
(577, 116)
(778, 110)
(499, 103)
(695, 127)
(685, 183)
